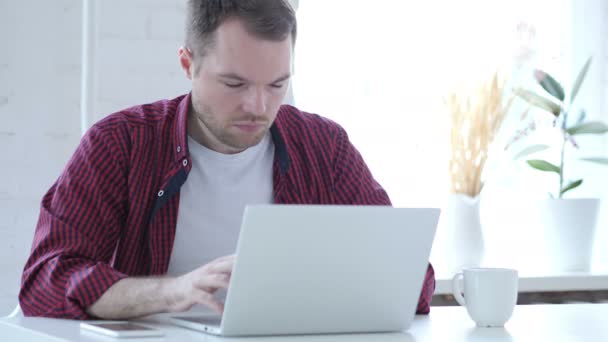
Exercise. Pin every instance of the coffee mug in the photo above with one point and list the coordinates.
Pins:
(490, 294)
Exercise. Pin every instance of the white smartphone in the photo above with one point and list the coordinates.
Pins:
(120, 329)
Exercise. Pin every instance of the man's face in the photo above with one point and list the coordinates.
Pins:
(240, 84)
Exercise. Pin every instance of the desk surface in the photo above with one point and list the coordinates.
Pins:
(565, 322)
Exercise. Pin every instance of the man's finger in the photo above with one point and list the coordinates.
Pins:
(213, 281)
(224, 266)
(224, 258)
(207, 299)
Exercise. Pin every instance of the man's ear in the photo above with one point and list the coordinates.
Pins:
(186, 61)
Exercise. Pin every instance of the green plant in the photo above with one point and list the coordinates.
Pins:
(559, 106)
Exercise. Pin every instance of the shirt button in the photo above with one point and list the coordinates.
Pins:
(185, 162)
(161, 193)
(179, 149)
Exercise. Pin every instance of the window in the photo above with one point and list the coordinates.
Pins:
(381, 69)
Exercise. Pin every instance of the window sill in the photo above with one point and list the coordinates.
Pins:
(544, 283)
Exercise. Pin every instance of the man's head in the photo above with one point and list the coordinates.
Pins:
(238, 54)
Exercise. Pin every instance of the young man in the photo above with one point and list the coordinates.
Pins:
(147, 212)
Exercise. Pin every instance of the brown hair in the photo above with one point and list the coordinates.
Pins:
(267, 19)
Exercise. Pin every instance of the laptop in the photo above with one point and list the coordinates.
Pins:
(315, 269)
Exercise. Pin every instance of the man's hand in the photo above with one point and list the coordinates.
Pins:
(198, 286)
(135, 297)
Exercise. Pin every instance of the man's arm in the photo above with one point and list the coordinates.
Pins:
(134, 297)
(354, 184)
(426, 295)
(81, 218)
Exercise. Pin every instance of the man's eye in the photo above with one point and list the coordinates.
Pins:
(277, 85)
(234, 85)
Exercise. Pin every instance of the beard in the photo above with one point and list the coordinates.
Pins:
(214, 130)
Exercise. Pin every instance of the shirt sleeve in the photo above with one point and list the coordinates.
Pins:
(353, 181)
(428, 289)
(76, 234)
(354, 184)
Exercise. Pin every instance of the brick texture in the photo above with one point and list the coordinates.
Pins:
(39, 110)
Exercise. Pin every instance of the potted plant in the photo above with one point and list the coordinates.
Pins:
(569, 223)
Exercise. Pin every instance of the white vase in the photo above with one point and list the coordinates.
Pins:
(461, 233)
(569, 227)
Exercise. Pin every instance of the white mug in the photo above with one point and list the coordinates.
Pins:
(490, 294)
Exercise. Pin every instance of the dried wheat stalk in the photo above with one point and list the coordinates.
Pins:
(476, 117)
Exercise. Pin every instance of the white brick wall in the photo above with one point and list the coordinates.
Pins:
(136, 53)
(39, 105)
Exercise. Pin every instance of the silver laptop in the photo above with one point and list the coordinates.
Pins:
(312, 269)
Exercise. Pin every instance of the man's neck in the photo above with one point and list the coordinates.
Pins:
(194, 127)
(200, 133)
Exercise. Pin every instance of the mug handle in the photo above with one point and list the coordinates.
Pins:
(457, 289)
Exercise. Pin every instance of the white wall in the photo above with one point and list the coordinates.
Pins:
(39, 105)
(590, 29)
(603, 61)
(135, 51)
(600, 250)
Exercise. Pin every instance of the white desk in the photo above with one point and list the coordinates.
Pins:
(574, 322)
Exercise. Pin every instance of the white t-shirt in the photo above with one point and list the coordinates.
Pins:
(212, 201)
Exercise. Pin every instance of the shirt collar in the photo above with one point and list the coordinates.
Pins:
(280, 147)
(180, 136)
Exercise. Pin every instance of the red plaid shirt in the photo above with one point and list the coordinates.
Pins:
(113, 211)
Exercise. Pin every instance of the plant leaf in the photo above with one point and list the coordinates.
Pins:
(571, 186)
(530, 150)
(579, 79)
(550, 84)
(581, 117)
(603, 161)
(538, 101)
(594, 127)
(543, 165)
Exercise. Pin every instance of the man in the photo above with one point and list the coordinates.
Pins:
(146, 214)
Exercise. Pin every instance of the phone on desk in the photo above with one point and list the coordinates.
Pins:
(120, 329)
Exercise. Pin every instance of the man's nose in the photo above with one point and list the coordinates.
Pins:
(255, 102)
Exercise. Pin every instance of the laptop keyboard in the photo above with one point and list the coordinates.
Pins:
(203, 320)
